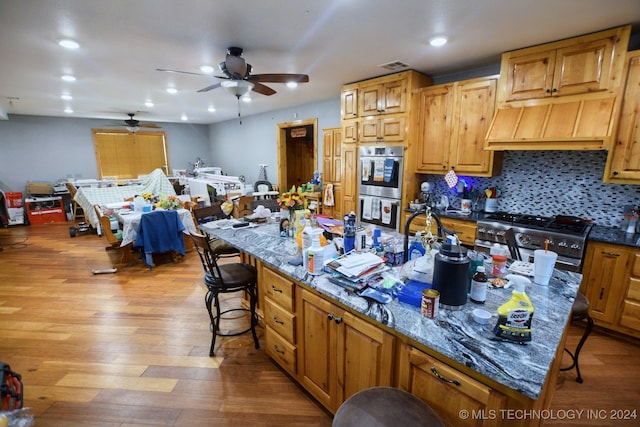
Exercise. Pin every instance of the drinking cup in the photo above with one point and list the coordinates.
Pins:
(465, 205)
(543, 264)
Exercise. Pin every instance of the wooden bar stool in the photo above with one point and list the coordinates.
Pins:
(579, 311)
(385, 406)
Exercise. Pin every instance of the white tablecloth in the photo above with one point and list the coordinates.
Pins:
(131, 220)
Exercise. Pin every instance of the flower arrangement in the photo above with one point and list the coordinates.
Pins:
(170, 203)
(293, 200)
(147, 196)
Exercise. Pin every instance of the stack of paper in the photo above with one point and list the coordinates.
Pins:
(357, 266)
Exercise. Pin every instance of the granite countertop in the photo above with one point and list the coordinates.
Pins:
(453, 334)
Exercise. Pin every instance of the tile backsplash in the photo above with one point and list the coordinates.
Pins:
(552, 183)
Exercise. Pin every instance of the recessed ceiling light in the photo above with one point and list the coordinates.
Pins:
(148, 104)
(69, 44)
(172, 90)
(68, 110)
(207, 69)
(292, 85)
(212, 109)
(184, 117)
(66, 97)
(438, 41)
(68, 78)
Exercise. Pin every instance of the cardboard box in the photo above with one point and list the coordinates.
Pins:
(39, 188)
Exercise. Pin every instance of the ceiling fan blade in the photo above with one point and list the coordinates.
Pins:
(262, 89)
(149, 125)
(182, 72)
(279, 78)
(208, 88)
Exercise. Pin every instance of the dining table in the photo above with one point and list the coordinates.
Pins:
(130, 220)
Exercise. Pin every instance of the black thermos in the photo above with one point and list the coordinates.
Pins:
(451, 275)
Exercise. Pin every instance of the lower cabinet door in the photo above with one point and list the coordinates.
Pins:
(458, 399)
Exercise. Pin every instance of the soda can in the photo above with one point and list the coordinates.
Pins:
(430, 303)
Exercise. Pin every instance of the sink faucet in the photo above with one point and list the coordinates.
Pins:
(427, 211)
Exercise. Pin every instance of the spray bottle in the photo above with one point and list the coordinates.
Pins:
(514, 317)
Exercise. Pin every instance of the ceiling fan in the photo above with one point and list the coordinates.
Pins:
(238, 78)
(133, 125)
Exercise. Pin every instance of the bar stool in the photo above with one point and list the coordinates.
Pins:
(579, 311)
(226, 278)
(385, 406)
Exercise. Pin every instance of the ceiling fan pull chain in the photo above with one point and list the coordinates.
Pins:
(239, 116)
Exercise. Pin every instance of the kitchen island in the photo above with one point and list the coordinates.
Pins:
(522, 376)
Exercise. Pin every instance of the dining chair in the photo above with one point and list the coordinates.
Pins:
(160, 231)
(222, 279)
(76, 209)
(209, 214)
(114, 242)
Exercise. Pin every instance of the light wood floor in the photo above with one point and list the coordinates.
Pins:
(131, 348)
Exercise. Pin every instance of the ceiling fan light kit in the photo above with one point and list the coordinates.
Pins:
(237, 88)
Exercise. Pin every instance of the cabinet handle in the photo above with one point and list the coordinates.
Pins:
(335, 318)
(280, 322)
(441, 378)
(610, 254)
(277, 350)
(274, 289)
(601, 293)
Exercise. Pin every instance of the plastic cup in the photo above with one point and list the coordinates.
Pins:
(543, 264)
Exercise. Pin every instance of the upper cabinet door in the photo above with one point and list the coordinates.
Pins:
(349, 102)
(530, 75)
(370, 99)
(388, 96)
(394, 97)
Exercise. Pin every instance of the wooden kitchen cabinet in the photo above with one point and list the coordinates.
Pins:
(383, 95)
(585, 64)
(630, 317)
(448, 391)
(465, 230)
(452, 125)
(332, 167)
(340, 354)
(605, 282)
(349, 102)
(279, 319)
(387, 129)
(349, 183)
(623, 161)
(564, 95)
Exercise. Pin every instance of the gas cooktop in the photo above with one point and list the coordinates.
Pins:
(559, 223)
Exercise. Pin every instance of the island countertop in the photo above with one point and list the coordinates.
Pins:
(453, 334)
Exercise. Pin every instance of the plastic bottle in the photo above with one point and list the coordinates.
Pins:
(479, 286)
(498, 260)
(349, 232)
(416, 249)
(307, 240)
(315, 256)
(514, 317)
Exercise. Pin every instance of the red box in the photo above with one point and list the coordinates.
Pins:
(13, 199)
(44, 210)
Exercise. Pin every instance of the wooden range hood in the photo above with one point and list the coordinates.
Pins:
(578, 124)
(563, 95)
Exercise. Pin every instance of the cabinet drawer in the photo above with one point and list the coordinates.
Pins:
(283, 352)
(635, 271)
(465, 230)
(634, 288)
(278, 288)
(631, 315)
(280, 320)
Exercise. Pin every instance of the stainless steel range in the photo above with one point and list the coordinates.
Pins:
(567, 236)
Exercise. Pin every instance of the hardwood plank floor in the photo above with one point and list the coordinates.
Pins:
(131, 348)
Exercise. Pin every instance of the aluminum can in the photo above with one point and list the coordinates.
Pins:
(430, 303)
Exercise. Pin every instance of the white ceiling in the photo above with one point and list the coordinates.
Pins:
(334, 41)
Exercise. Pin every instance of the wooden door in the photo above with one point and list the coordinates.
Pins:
(434, 128)
(316, 346)
(473, 111)
(365, 355)
(296, 156)
(603, 282)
